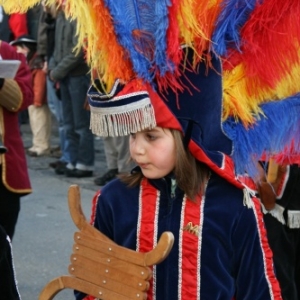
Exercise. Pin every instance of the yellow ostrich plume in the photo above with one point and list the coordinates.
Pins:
(20, 6)
(196, 23)
(104, 54)
(96, 35)
(242, 94)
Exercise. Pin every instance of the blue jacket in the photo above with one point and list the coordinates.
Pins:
(233, 257)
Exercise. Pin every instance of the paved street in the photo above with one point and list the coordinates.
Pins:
(44, 235)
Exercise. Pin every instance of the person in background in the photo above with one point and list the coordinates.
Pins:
(281, 199)
(16, 94)
(33, 16)
(70, 70)
(46, 39)
(12, 26)
(117, 158)
(39, 113)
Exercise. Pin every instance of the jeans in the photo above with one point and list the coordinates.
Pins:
(55, 106)
(77, 121)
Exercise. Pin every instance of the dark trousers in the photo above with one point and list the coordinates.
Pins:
(285, 245)
(80, 140)
(9, 209)
(8, 285)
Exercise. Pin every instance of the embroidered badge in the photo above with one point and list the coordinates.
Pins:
(193, 229)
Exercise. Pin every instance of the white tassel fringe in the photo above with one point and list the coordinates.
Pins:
(121, 121)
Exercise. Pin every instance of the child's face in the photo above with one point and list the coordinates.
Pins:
(23, 50)
(154, 151)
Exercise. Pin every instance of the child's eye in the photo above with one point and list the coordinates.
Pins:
(150, 137)
(132, 135)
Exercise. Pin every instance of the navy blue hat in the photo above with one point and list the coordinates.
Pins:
(195, 110)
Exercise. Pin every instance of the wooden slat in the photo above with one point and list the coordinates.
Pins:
(69, 282)
(101, 268)
(87, 275)
(107, 272)
(110, 249)
(144, 273)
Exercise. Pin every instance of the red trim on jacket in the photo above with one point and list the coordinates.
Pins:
(267, 252)
(146, 239)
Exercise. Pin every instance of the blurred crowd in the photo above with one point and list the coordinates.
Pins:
(60, 83)
(51, 84)
(48, 81)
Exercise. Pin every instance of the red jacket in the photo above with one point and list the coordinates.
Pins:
(14, 167)
(18, 25)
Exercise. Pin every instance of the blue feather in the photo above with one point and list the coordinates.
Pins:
(270, 134)
(141, 26)
(232, 18)
(161, 61)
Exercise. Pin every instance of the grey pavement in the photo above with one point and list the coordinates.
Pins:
(44, 234)
(42, 163)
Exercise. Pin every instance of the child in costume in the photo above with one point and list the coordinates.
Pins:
(137, 43)
(184, 183)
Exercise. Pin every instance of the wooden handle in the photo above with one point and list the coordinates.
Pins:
(272, 171)
(103, 269)
(153, 257)
(77, 214)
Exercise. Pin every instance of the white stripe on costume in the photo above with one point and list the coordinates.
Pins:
(138, 228)
(155, 241)
(200, 245)
(180, 248)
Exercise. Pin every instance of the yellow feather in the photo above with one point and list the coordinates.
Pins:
(196, 19)
(18, 6)
(289, 85)
(243, 102)
(188, 21)
(103, 52)
(238, 102)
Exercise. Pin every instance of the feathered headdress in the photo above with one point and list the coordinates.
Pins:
(257, 42)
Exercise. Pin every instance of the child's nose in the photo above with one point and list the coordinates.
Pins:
(139, 147)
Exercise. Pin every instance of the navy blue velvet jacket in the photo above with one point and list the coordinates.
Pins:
(235, 261)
